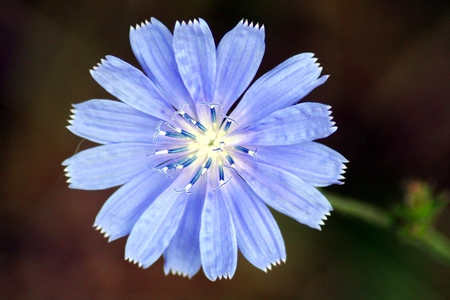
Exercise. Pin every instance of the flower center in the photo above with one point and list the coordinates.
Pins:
(206, 148)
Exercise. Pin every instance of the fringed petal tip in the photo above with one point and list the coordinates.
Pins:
(135, 262)
(106, 65)
(179, 273)
(245, 22)
(274, 264)
(145, 23)
(220, 277)
(322, 219)
(342, 170)
(103, 231)
(67, 172)
(103, 62)
(193, 22)
(341, 178)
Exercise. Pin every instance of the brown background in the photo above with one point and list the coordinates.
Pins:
(389, 87)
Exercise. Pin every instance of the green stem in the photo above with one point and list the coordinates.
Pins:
(436, 244)
(431, 242)
(359, 210)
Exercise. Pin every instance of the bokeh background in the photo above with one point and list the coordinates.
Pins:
(390, 90)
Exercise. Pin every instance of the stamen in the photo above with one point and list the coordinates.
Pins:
(191, 183)
(178, 134)
(231, 161)
(170, 151)
(189, 118)
(180, 131)
(185, 189)
(232, 168)
(170, 125)
(221, 174)
(228, 123)
(213, 112)
(166, 168)
(212, 104)
(221, 144)
(185, 162)
(207, 165)
(247, 151)
(222, 181)
(158, 127)
(196, 177)
(200, 126)
(180, 111)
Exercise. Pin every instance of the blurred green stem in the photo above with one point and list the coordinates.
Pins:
(436, 244)
(431, 241)
(363, 211)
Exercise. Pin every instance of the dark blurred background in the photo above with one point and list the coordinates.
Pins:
(389, 63)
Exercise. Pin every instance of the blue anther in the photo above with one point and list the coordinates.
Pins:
(178, 150)
(242, 149)
(186, 162)
(196, 177)
(221, 174)
(246, 151)
(191, 183)
(174, 135)
(189, 118)
(222, 181)
(213, 110)
(228, 123)
(179, 132)
(227, 126)
(188, 135)
(201, 127)
(206, 166)
(171, 166)
(230, 160)
(208, 163)
(213, 115)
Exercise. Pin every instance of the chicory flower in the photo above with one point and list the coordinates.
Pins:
(199, 154)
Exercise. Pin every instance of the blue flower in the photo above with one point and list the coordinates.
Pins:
(197, 167)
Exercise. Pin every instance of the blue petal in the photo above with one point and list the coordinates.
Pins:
(303, 122)
(154, 230)
(131, 86)
(195, 54)
(316, 164)
(106, 121)
(239, 55)
(106, 166)
(258, 235)
(152, 44)
(285, 85)
(286, 193)
(218, 246)
(182, 256)
(122, 210)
